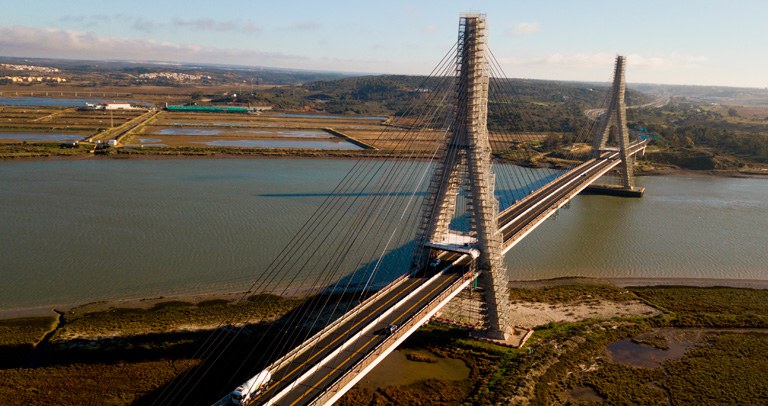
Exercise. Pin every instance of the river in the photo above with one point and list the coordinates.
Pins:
(87, 230)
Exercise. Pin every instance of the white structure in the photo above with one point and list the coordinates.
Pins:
(110, 106)
(465, 162)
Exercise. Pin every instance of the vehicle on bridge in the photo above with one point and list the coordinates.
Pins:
(435, 263)
(250, 388)
(390, 329)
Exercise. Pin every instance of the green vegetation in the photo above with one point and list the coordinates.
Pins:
(92, 384)
(729, 369)
(580, 293)
(127, 355)
(721, 369)
(27, 330)
(709, 307)
(171, 316)
(689, 132)
(19, 337)
(695, 135)
(562, 358)
(39, 150)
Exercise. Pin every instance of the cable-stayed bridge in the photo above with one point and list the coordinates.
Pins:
(460, 183)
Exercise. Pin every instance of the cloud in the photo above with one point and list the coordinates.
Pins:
(524, 28)
(89, 20)
(137, 23)
(206, 24)
(601, 60)
(429, 28)
(58, 43)
(20, 41)
(667, 62)
(142, 25)
(307, 26)
(209, 24)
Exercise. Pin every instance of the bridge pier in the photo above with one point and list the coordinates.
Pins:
(613, 125)
(465, 161)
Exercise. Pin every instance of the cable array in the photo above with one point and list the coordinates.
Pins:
(343, 252)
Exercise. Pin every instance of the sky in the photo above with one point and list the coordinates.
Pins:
(699, 42)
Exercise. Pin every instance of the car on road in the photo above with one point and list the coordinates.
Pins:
(389, 330)
(435, 263)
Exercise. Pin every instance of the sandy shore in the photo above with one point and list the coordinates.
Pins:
(696, 282)
(468, 309)
(528, 313)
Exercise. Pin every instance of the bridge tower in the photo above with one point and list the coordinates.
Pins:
(464, 161)
(614, 122)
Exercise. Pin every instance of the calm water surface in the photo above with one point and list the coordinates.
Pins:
(79, 231)
(282, 144)
(61, 102)
(31, 136)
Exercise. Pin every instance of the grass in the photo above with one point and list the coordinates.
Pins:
(39, 150)
(171, 316)
(81, 384)
(730, 369)
(726, 368)
(25, 331)
(709, 307)
(578, 293)
(559, 358)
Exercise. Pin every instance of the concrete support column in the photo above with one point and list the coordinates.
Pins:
(614, 121)
(467, 152)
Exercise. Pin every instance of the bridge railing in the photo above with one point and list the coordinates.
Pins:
(385, 347)
(317, 365)
(287, 358)
(535, 192)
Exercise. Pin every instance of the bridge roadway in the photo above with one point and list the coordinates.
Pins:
(309, 373)
(329, 363)
(524, 216)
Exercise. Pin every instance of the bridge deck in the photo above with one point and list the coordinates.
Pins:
(337, 358)
(308, 374)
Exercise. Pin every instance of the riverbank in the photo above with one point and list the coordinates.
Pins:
(235, 296)
(153, 348)
(52, 152)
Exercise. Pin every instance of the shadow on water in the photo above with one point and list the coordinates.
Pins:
(397, 194)
(243, 356)
(506, 197)
(228, 355)
(239, 354)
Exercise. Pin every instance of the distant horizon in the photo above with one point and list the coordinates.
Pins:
(686, 42)
(179, 64)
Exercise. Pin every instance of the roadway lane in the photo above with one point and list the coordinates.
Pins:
(549, 201)
(357, 345)
(560, 189)
(510, 220)
(291, 371)
(355, 353)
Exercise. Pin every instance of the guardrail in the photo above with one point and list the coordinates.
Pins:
(348, 342)
(354, 374)
(515, 238)
(280, 362)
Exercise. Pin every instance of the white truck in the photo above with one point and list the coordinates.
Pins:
(250, 388)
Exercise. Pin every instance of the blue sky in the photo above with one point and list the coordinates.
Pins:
(706, 42)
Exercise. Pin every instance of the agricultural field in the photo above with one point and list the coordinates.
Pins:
(181, 129)
(31, 124)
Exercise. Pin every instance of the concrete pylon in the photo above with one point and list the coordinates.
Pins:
(465, 161)
(614, 121)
